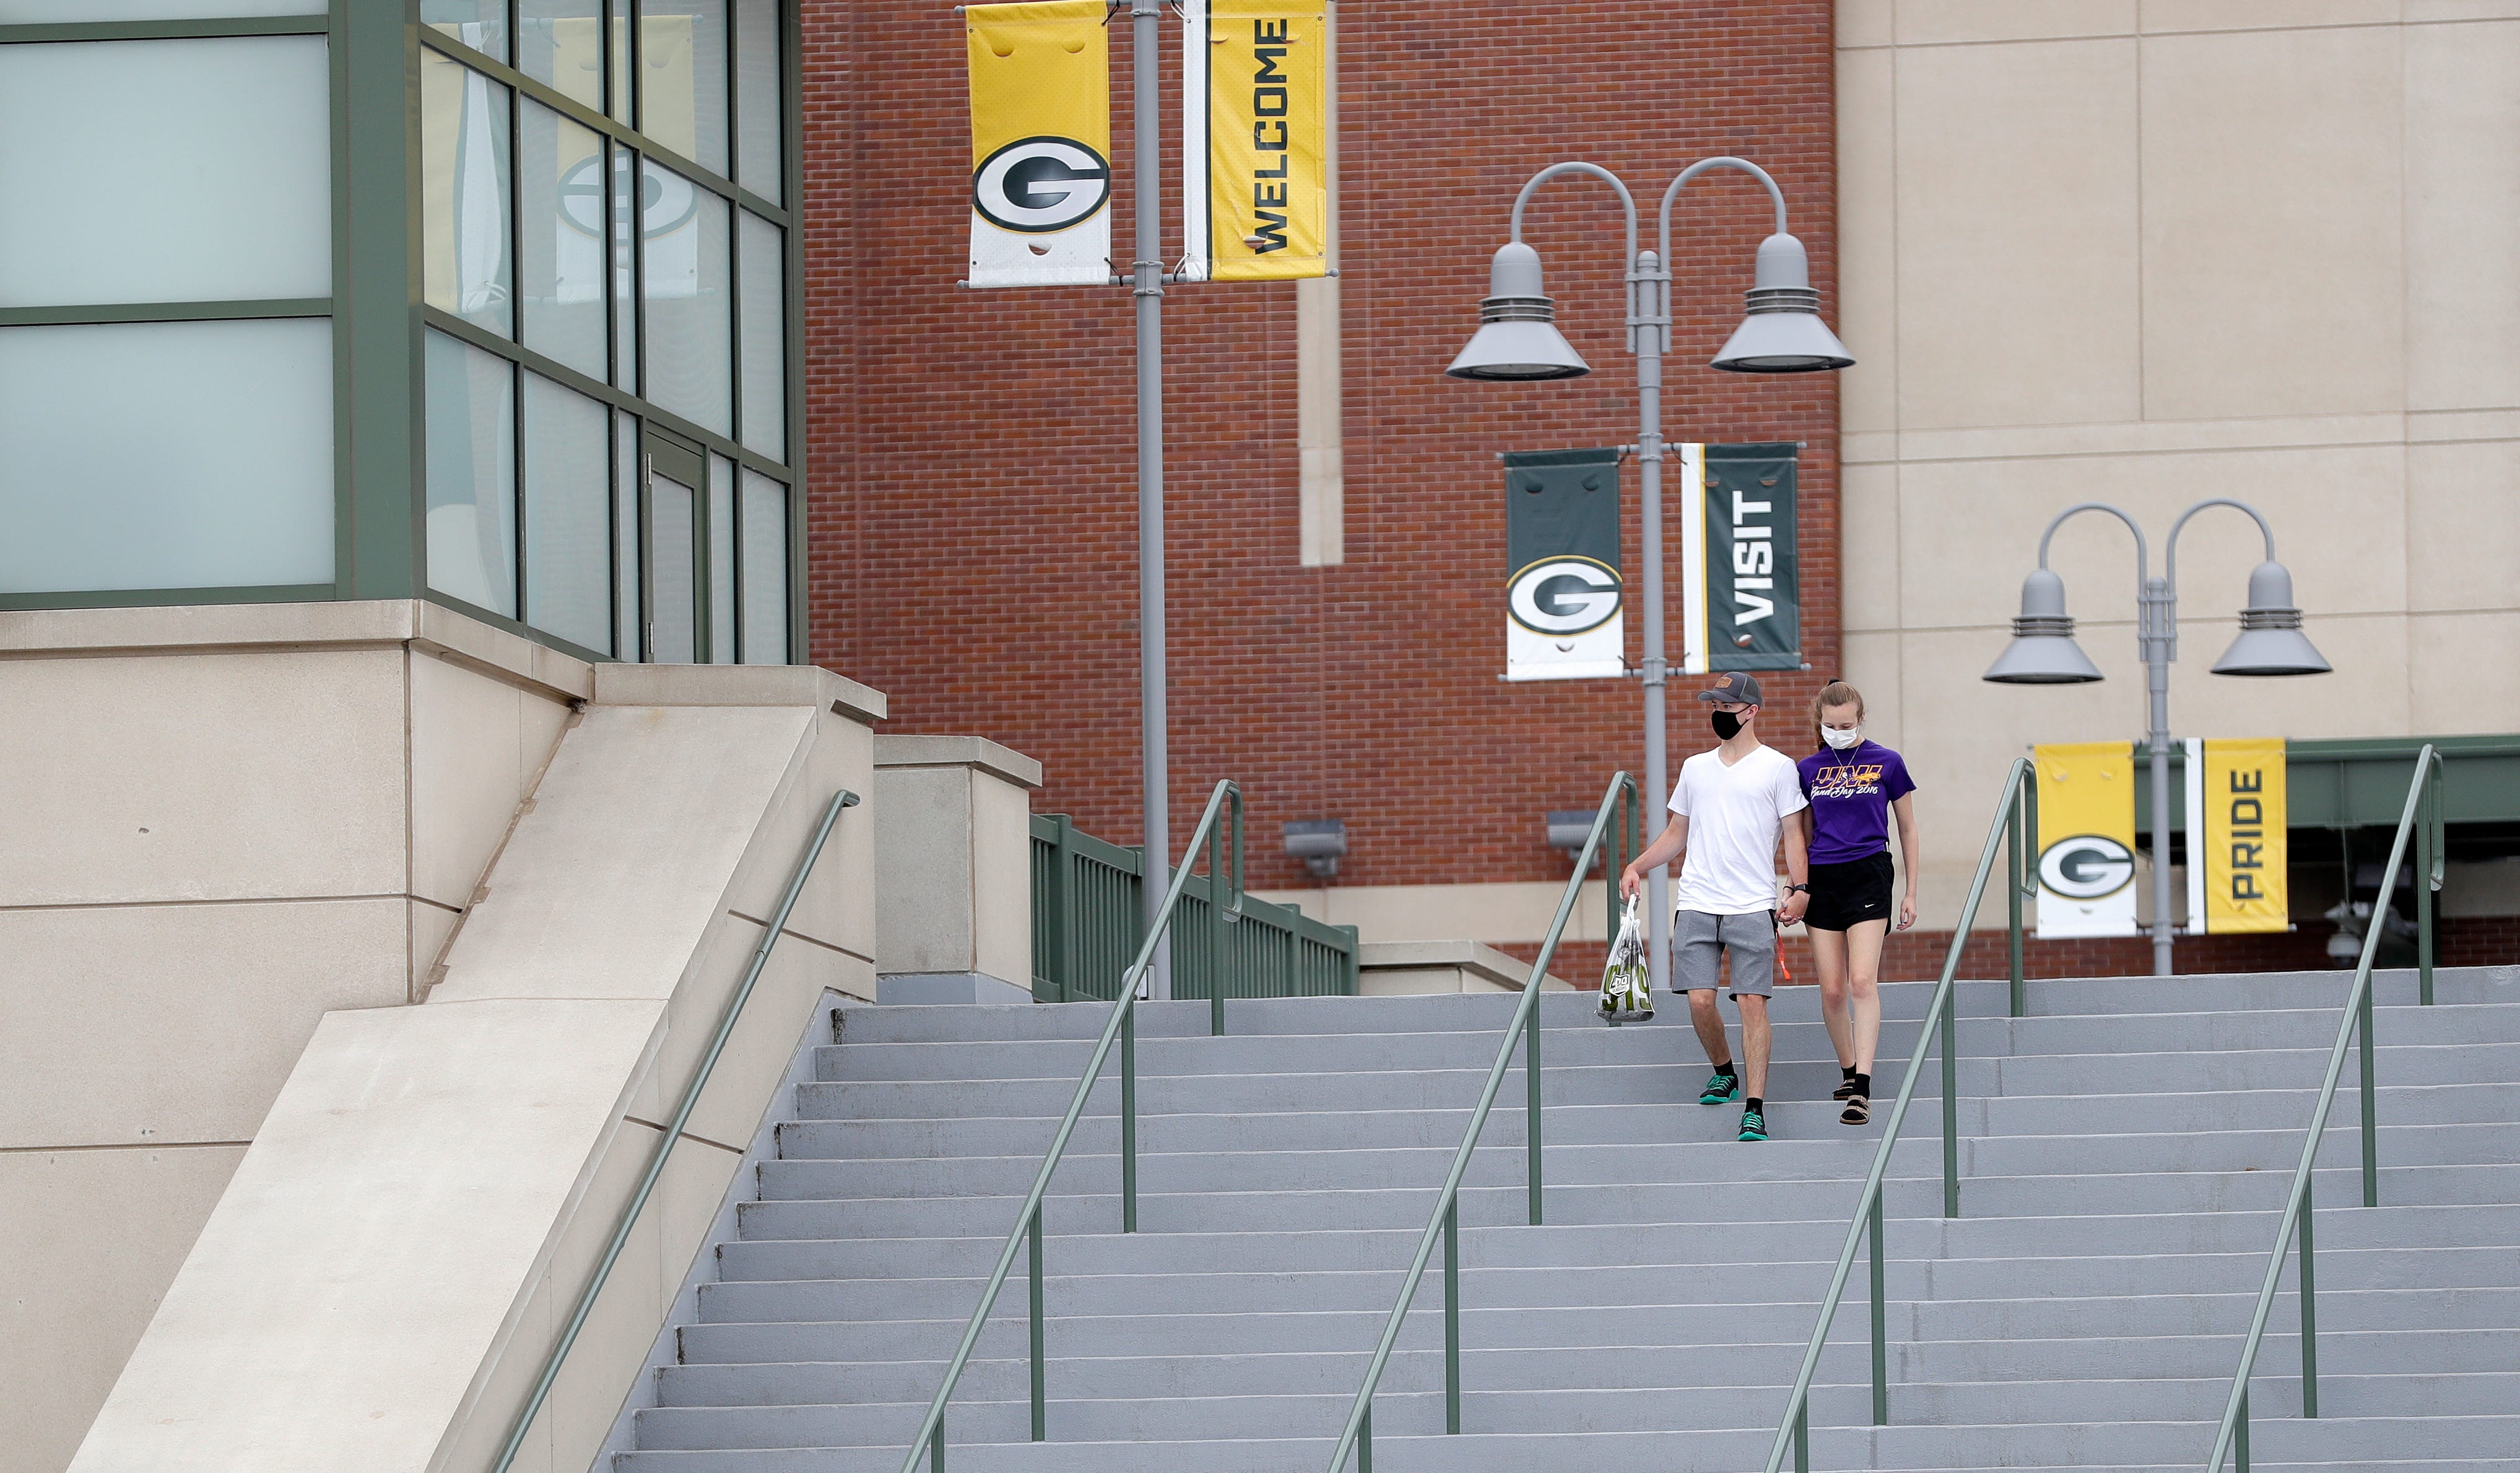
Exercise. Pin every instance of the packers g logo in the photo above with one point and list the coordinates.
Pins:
(1559, 596)
(1042, 184)
(2085, 867)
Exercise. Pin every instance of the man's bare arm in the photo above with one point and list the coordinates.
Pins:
(1667, 846)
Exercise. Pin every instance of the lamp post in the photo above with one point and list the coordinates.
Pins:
(1781, 332)
(2043, 653)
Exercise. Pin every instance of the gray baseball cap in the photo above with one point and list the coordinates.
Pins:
(1733, 687)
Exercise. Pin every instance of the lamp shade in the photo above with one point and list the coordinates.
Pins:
(1781, 332)
(2271, 640)
(1517, 337)
(2042, 652)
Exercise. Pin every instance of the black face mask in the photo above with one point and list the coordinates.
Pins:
(1728, 724)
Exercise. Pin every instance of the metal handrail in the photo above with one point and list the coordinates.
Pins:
(1122, 1025)
(673, 1132)
(1446, 1220)
(2424, 797)
(2008, 828)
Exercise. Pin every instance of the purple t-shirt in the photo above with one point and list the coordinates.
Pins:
(1851, 793)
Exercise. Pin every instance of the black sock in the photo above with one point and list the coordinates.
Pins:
(1864, 1085)
(1848, 1071)
(1755, 1105)
(1729, 1070)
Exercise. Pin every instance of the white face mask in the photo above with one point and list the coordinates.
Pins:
(1841, 738)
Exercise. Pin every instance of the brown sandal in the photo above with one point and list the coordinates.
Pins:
(1859, 1111)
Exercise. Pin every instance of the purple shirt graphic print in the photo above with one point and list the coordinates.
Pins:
(1851, 793)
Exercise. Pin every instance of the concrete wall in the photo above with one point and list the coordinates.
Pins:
(389, 1268)
(2155, 251)
(227, 822)
(953, 821)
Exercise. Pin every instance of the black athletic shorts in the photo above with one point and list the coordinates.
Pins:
(1844, 895)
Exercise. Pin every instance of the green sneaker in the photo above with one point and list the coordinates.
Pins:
(1754, 1125)
(1721, 1089)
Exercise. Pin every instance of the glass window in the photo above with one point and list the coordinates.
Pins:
(721, 534)
(464, 192)
(689, 331)
(568, 516)
(166, 455)
(765, 345)
(472, 449)
(561, 42)
(154, 171)
(561, 238)
(625, 285)
(626, 531)
(682, 83)
(625, 75)
(757, 78)
(765, 570)
(481, 25)
(58, 12)
(671, 549)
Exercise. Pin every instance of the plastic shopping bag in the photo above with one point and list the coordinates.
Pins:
(1627, 982)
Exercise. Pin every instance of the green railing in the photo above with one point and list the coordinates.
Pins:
(1088, 919)
(2423, 820)
(1120, 1027)
(673, 1132)
(2012, 831)
(1620, 799)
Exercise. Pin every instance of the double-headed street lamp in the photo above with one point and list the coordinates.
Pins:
(1781, 332)
(2043, 653)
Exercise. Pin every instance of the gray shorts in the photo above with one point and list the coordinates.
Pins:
(1699, 939)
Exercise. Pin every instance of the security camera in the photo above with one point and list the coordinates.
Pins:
(1318, 843)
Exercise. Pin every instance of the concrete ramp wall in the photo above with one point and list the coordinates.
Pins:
(382, 1280)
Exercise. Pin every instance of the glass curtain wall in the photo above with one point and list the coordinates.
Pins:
(167, 262)
(607, 253)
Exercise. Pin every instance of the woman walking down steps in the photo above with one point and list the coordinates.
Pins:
(1852, 786)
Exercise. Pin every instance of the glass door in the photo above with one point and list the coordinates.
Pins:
(677, 491)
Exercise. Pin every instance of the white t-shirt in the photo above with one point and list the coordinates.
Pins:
(1736, 815)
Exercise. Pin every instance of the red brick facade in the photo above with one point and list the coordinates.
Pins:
(973, 503)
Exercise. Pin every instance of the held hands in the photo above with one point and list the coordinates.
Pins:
(1908, 912)
(1796, 902)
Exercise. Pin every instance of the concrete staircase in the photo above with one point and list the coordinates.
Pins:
(2125, 1150)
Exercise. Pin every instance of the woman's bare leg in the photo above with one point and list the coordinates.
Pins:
(1828, 950)
(1860, 950)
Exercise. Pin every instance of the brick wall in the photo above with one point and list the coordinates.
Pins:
(971, 495)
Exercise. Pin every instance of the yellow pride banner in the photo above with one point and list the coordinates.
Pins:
(1041, 143)
(2243, 846)
(2085, 839)
(1255, 107)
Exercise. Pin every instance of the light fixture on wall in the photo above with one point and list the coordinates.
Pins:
(1569, 828)
(1320, 843)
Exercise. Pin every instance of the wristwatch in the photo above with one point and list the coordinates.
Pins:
(1806, 889)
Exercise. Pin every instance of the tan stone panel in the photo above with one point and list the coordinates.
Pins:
(1872, 667)
(1866, 309)
(88, 1243)
(1936, 22)
(231, 776)
(2463, 525)
(2273, 279)
(782, 1006)
(2452, 692)
(2463, 216)
(2264, 15)
(1864, 22)
(2426, 12)
(157, 1025)
(1868, 546)
(2018, 235)
(613, 879)
(476, 745)
(1969, 532)
(431, 927)
(1498, 914)
(839, 904)
(411, 1174)
(2366, 696)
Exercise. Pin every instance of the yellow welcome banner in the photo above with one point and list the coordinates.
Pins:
(2085, 839)
(1041, 143)
(2243, 848)
(1255, 107)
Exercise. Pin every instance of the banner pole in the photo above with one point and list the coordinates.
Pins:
(1647, 315)
(1146, 18)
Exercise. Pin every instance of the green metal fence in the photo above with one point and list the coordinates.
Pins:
(1088, 922)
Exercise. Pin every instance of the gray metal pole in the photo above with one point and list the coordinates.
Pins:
(1146, 39)
(2160, 619)
(1646, 283)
